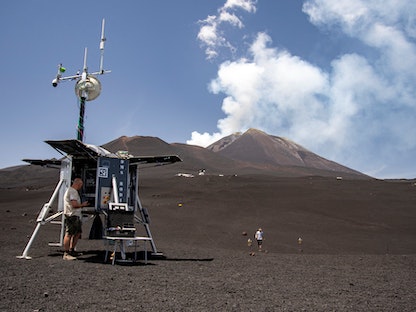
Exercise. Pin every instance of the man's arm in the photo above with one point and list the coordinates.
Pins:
(76, 205)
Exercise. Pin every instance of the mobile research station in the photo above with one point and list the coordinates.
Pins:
(111, 180)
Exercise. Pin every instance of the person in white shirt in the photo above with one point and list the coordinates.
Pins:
(73, 213)
(259, 238)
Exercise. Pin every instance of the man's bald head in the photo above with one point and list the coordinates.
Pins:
(77, 184)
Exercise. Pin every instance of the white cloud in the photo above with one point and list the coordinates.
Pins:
(210, 34)
(231, 18)
(360, 113)
(203, 139)
(387, 26)
(246, 5)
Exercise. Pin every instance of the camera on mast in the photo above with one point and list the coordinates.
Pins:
(87, 86)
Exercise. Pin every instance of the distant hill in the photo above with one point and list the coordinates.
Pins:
(257, 147)
(194, 157)
(252, 152)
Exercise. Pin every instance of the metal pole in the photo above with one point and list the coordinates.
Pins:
(146, 226)
(41, 220)
(29, 244)
(115, 189)
(80, 131)
(102, 47)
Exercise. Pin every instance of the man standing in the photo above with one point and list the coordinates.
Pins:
(259, 237)
(73, 213)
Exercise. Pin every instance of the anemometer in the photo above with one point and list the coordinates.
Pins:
(87, 86)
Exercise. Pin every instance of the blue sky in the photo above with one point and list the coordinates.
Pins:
(336, 77)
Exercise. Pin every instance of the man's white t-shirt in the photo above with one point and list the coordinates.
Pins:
(259, 235)
(71, 194)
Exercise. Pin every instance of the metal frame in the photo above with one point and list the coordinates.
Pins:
(87, 88)
(140, 215)
(143, 219)
(42, 220)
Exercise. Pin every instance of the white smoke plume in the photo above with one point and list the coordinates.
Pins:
(361, 112)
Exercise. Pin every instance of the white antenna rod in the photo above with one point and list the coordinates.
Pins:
(85, 70)
(102, 47)
(82, 77)
(85, 58)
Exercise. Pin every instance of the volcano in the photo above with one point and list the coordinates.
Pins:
(257, 147)
(252, 152)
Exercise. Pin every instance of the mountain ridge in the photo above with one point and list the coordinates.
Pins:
(251, 152)
(258, 147)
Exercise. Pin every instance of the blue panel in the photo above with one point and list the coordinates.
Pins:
(106, 169)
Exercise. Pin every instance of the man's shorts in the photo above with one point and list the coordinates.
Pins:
(73, 225)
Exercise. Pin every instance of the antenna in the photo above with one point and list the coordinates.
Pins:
(85, 60)
(87, 86)
(102, 46)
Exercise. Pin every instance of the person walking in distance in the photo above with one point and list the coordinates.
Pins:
(259, 238)
(73, 213)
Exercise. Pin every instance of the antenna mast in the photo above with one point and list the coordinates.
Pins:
(102, 47)
(87, 87)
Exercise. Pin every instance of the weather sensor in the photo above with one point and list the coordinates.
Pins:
(87, 86)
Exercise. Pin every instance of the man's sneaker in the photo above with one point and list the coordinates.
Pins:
(74, 253)
(67, 256)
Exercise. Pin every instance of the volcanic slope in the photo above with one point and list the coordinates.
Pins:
(262, 149)
(358, 250)
(253, 152)
(193, 157)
